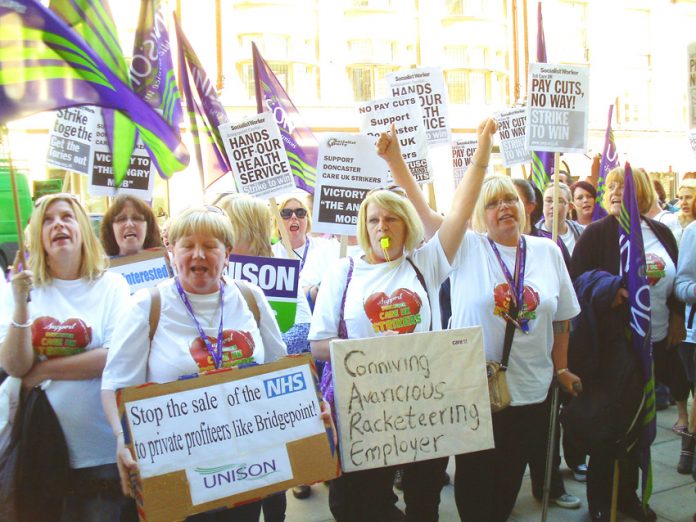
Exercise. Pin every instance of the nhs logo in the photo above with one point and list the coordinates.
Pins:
(285, 384)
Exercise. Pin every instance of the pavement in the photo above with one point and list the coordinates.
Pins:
(673, 499)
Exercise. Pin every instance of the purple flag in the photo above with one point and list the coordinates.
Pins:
(298, 139)
(204, 106)
(610, 160)
(542, 162)
(635, 281)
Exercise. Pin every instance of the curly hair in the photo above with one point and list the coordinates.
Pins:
(106, 231)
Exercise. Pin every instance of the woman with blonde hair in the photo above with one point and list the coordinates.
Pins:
(685, 195)
(604, 359)
(60, 338)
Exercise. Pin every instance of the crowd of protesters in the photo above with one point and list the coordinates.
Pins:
(558, 309)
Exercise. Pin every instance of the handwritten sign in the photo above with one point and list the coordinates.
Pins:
(225, 438)
(71, 138)
(347, 169)
(378, 115)
(144, 269)
(140, 178)
(558, 108)
(511, 130)
(462, 152)
(277, 277)
(428, 83)
(259, 162)
(410, 397)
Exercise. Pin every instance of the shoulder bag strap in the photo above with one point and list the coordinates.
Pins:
(250, 301)
(155, 309)
(421, 280)
(342, 328)
(509, 334)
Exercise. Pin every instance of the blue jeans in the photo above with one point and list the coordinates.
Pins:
(95, 496)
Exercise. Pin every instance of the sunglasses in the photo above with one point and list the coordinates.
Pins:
(287, 213)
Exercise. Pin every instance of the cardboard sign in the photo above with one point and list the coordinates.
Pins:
(277, 277)
(71, 139)
(692, 141)
(691, 52)
(140, 177)
(259, 160)
(144, 269)
(558, 108)
(411, 397)
(378, 115)
(462, 152)
(428, 83)
(226, 437)
(347, 169)
(512, 125)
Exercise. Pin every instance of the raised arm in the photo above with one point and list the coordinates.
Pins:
(16, 352)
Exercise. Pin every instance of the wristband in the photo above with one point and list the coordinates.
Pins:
(561, 371)
(20, 325)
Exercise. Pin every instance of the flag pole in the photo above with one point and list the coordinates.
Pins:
(344, 246)
(21, 248)
(615, 493)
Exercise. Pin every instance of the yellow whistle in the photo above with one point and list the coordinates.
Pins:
(385, 242)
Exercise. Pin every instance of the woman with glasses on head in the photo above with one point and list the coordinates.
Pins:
(129, 226)
(206, 322)
(605, 359)
(60, 338)
(394, 262)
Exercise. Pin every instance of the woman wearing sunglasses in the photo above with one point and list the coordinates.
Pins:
(59, 339)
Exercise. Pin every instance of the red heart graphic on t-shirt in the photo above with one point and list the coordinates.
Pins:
(53, 338)
(237, 348)
(398, 311)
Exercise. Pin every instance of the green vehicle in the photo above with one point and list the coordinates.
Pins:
(8, 228)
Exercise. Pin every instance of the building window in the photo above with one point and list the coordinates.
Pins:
(369, 81)
(281, 70)
(476, 8)
(472, 86)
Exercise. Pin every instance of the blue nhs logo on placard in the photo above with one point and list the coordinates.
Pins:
(285, 384)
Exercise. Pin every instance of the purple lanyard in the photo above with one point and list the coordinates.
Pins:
(516, 283)
(303, 258)
(215, 352)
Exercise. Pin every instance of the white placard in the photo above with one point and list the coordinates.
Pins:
(378, 115)
(462, 152)
(347, 169)
(259, 162)
(142, 270)
(140, 176)
(691, 51)
(411, 397)
(71, 139)
(428, 83)
(233, 422)
(512, 125)
(558, 108)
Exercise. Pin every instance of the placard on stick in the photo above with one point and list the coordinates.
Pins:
(411, 397)
(226, 438)
(347, 169)
(428, 83)
(558, 108)
(462, 152)
(405, 113)
(144, 269)
(71, 139)
(512, 125)
(259, 161)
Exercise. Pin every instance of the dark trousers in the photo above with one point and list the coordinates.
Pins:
(486, 483)
(246, 513)
(422, 483)
(362, 495)
(669, 370)
(274, 506)
(537, 463)
(600, 476)
(95, 496)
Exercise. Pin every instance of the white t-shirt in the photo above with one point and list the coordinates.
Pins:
(672, 221)
(479, 290)
(568, 238)
(177, 349)
(68, 317)
(384, 296)
(316, 266)
(661, 274)
(317, 249)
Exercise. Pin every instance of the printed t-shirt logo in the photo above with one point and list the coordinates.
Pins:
(654, 268)
(399, 311)
(53, 338)
(237, 348)
(502, 296)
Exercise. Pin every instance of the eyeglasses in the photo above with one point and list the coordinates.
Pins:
(215, 210)
(121, 219)
(287, 213)
(508, 200)
(549, 201)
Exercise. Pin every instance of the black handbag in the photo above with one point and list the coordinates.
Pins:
(35, 466)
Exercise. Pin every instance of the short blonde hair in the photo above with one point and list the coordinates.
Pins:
(251, 222)
(690, 185)
(202, 220)
(305, 205)
(495, 187)
(93, 259)
(400, 207)
(645, 191)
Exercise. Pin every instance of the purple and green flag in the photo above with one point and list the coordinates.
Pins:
(542, 162)
(203, 107)
(610, 160)
(635, 281)
(299, 141)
